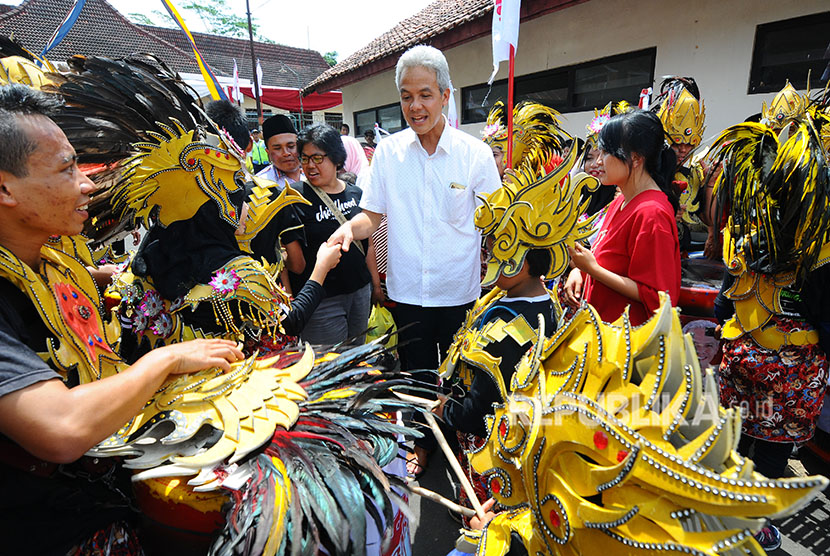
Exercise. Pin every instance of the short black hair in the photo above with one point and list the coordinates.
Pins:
(231, 119)
(538, 262)
(348, 129)
(20, 100)
(641, 132)
(325, 138)
(369, 133)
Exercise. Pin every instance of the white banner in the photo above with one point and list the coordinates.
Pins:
(452, 110)
(505, 31)
(237, 94)
(259, 78)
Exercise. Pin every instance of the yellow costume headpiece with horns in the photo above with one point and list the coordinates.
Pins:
(681, 111)
(787, 106)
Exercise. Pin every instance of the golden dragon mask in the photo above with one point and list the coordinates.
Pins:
(175, 176)
(613, 442)
(526, 213)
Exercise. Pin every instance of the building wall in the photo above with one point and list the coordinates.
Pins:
(711, 40)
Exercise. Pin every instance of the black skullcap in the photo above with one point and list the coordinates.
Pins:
(276, 125)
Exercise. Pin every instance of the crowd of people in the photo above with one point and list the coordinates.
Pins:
(609, 218)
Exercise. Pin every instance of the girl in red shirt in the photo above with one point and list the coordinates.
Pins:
(636, 253)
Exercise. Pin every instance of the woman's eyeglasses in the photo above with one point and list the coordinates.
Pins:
(315, 158)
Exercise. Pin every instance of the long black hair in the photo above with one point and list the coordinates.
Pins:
(325, 138)
(641, 132)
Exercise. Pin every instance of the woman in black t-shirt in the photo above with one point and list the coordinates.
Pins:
(344, 313)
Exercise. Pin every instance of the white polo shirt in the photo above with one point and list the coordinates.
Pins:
(430, 200)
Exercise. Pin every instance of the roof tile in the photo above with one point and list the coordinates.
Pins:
(437, 18)
(102, 31)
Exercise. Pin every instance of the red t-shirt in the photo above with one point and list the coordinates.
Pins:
(638, 242)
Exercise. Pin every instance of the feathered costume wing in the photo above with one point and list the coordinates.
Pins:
(298, 445)
(110, 105)
(298, 440)
(776, 193)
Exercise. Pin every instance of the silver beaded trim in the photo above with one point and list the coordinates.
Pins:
(616, 523)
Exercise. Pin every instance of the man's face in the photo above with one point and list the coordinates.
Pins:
(256, 136)
(282, 148)
(421, 99)
(681, 150)
(52, 198)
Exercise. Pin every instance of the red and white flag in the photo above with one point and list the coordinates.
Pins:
(259, 78)
(645, 99)
(505, 31)
(237, 94)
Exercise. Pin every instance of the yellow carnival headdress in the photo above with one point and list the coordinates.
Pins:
(17, 65)
(16, 69)
(787, 106)
(526, 213)
(777, 194)
(536, 132)
(681, 111)
(601, 117)
(171, 179)
(612, 442)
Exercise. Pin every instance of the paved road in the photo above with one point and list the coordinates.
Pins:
(805, 534)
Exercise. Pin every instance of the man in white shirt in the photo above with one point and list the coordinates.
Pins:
(281, 142)
(425, 179)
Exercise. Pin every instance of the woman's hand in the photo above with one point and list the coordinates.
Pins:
(573, 288)
(583, 259)
(196, 355)
(103, 274)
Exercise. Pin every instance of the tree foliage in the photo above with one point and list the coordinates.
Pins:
(217, 17)
(330, 57)
(219, 20)
(141, 19)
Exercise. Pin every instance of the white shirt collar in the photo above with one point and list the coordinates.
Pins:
(444, 141)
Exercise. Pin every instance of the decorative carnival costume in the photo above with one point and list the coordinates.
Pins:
(185, 185)
(601, 118)
(610, 438)
(295, 445)
(537, 137)
(535, 209)
(612, 442)
(681, 110)
(776, 192)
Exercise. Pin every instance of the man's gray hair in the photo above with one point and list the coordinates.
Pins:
(426, 57)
